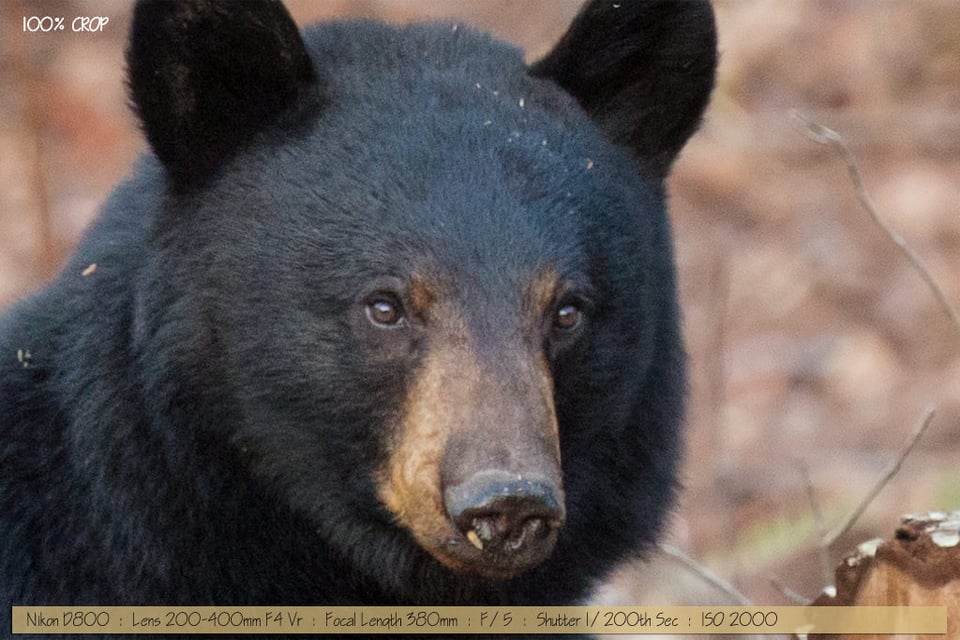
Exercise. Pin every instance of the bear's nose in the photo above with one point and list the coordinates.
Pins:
(512, 519)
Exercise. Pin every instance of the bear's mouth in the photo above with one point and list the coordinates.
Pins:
(499, 558)
(495, 525)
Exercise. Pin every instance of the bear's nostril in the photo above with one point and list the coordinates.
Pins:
(508, 519)
(530, 529)
(487, 528)
(506, 525)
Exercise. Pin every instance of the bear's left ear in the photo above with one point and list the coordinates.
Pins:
(205, 75)
(642, 69)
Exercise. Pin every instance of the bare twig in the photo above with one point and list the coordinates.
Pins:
(888, 473)
(716, 387)
(787, 592)
(29, 78)
(702, 572)
(823, 552)
(718, 302)
(825, 135)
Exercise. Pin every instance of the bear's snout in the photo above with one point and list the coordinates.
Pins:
(473, 469)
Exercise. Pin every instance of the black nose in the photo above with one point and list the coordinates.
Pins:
(512, 519)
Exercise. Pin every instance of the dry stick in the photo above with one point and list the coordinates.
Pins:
(719, 302)
(888, 473)
(709, 577)
(823, 552)
(30, 78)
(701, 571)
(825, 135)
(787, 592)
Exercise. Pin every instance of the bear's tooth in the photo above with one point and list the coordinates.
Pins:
(475, 539)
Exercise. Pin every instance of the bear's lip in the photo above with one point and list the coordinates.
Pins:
(461, 555)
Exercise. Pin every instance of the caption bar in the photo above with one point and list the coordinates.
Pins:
(478, 620)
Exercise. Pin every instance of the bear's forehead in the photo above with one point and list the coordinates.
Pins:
(369, 48)
(433, 67)
(444, 153)
(448, 115)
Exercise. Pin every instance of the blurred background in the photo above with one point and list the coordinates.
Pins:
(812, 340)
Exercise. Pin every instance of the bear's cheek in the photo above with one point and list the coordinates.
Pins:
(409, 482)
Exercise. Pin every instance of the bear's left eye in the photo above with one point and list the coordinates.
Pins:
(568, 317)
(385, 311)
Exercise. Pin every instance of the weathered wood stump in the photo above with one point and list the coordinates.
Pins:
(920, 565)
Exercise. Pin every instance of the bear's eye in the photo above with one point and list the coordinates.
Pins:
(568, 317)
(385, 311)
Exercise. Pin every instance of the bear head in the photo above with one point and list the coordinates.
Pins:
(429, 287)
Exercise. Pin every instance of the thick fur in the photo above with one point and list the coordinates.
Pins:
(200, 419)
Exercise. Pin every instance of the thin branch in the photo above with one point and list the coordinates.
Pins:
(719, 304)
(823, 551)
(30, 77)
(708, 576)
(787, 592)
(825, 135)
(888, 473)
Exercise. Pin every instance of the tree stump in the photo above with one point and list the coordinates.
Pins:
(919, 566)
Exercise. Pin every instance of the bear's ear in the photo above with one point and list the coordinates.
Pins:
(642, 69)
(204, 75)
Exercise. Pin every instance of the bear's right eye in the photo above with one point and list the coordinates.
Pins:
(385, 311)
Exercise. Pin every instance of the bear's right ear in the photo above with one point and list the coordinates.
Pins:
(204, 75)
(642, 69)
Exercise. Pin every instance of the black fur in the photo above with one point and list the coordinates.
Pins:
(205, 75)
(648, 75)
(198, 420)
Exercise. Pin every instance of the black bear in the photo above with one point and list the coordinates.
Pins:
(385, 316)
